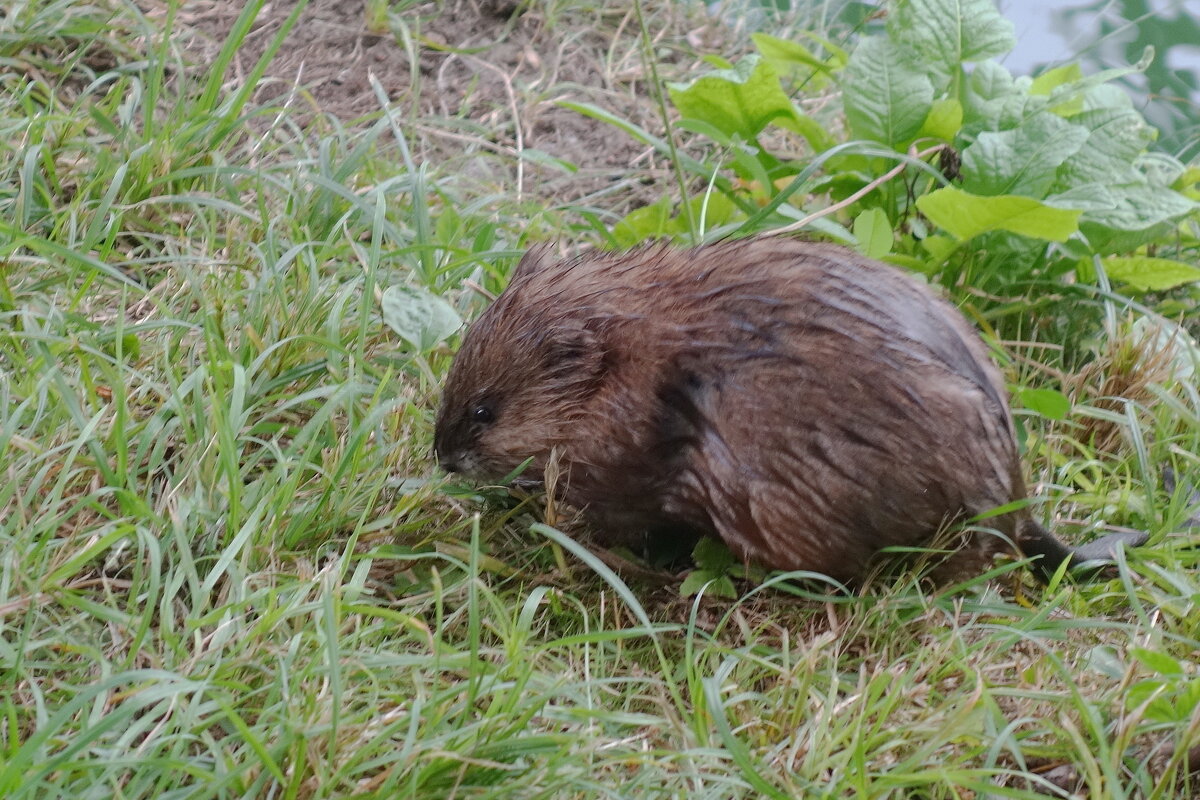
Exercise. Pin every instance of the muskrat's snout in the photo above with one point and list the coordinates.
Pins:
(447, 459)
(453, 451)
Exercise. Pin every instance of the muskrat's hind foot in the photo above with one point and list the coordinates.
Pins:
(1105, 548)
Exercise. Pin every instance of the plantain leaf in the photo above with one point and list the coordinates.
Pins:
(418, 317)
(887, 96)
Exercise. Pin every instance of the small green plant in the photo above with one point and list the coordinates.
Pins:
(713, 573)
(419, 317)
(377, 16)
(1172, 696)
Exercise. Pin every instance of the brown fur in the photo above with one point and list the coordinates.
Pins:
(806, 404)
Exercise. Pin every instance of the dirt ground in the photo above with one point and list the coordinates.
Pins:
(488, 74)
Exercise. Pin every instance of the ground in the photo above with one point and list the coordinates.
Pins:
(489, 77)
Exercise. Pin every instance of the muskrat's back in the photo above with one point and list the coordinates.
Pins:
(806, 404)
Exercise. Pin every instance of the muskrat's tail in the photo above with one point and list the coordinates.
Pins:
(1048, 552)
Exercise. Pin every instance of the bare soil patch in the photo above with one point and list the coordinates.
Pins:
(488, 75)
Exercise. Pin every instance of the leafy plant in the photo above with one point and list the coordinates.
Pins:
(714, 565)
(1171, 696)
(1037, 175)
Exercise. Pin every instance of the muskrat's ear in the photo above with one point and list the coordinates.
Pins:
(535, 260)
(572, 346)
(577, 356)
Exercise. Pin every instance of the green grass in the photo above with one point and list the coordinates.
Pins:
(224, 571)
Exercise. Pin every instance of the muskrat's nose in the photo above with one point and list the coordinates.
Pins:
(447, 462)
(445, 459)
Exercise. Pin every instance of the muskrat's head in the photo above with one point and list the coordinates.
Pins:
(522, 378)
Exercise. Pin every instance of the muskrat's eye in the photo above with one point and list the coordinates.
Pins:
(482, 415)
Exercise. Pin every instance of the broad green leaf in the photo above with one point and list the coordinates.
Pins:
(647, 222)
(1160, 169)
(1158, 661)
(1122, 217)
(939, 247)
(1187, 698)
(741, 101)
(713, 554)
(874, 233)
(1115, 138)
(1106, 96)
(948, 33)
(1154, 698)
(720, 586)
(746, 159)
(1011, 254)
(837, 55)
(1126, 206)
(1089, 197)
(716, 61)
(1188, 180)
(822, 225)
(711, 209)
(1056, 82)
(1046, 402)
(785, 54)
(813, 132)
(1171, 698)
(1150, 274)
(130, 345)
(886, 96)
(1053, 78)
(420, 318)
(966, 215)
(1022, 160)
(911, 263)
(944, 120)
(994, 101)
(1104, 240)
(792, 59)
(1103, 658)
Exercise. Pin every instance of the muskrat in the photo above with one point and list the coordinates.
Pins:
(807, 405)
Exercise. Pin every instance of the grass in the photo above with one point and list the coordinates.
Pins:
(225, 571)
